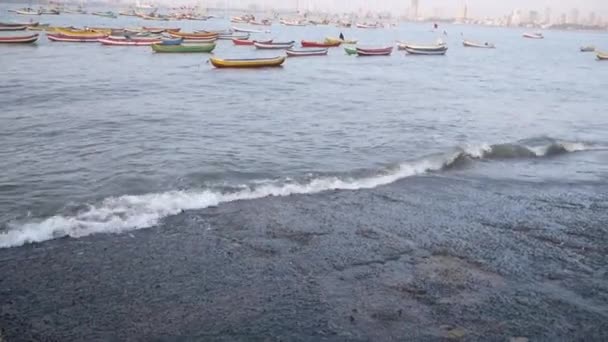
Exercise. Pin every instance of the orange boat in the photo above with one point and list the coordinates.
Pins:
(193, 35)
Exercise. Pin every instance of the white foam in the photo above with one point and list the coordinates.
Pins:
(119, 214)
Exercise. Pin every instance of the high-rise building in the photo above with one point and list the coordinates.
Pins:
(533, 17)
(547, 19)
(573, 16)
(414, 9)
(562, 19)
(592, 19)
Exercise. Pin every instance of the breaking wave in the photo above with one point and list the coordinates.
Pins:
(119, 214)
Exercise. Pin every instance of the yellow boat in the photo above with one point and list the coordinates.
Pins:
(82, 33)
(334, 40)
(247, 63)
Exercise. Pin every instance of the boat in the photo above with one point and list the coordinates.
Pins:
(306, 43)
(350, 50)
(19, 39)
(367, 26)
(26, 24)
(535, 35)
(161, 29)
(273, 45)
(50, 11)
(172, 41)
(128, 42)
(342, 41)
(292, 22)
(27, 11)
(429, 50)
(385, 51)
(83, 33)
(486, 45)
(231, 36)
(199, 40)
(306, 52)
(12, 28)
(264, 22)
(187, 48)
(191, 35)
(250, 42)
(588, 48)
(245, 30)
(602, 56)
(61, 38)
(107, 14)
(247, 63)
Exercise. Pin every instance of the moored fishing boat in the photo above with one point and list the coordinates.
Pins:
(184, 48)
(199, 40)
(191, 35)
(287, 22)
(26, 24)
(82, 33)
(160, 29)
(306, 52)
(486, 45)
(27, 11)
(533, 35)
(338, 40)
(428, 50)
(246, 30)
(368, 26)
(602, 56)
(385, 51)
(247, 63)
(231, 36)
(172, 41)
(264, 22)
(70, 39)
(49, 11)
(246, 42)
(19, 39)
(274, 46)
(588, 48)
(107, 14)
(12, 28)
(307, 43)
(127, 42)
(350, 50)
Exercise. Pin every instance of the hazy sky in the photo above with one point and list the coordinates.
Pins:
(477, 8)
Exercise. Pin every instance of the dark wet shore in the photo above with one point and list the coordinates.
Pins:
(426, 258)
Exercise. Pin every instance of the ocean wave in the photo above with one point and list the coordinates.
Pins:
(119, 214)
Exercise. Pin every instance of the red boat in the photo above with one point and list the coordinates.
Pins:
(306, 43)
(375, 51)
(19, 39)
(250, 42)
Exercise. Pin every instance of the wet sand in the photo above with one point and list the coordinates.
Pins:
(437, 257)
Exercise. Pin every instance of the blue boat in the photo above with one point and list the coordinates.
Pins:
(172, 41)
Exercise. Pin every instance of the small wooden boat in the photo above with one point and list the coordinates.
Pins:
(245, 30)
(292, 22)
(172, 41)
(246, 42)
(27, 11)
(436, 50)
(342, 41)
(50, 11)
(247, 63)
(107, 14)
(535, 35)
(350, 50)
(306, 52)
(602, 56)
(265, 22)
(68, 39)
(588, 48)
(274, 46)
(13, 28)
(82, 33)
(231, 36)
(19, 39)
(386, 51)
(26, 24)
(161, 29)
(368, 26)
(486, 45)
(191, 35)
(127, 42)
(310, 44)
(187, 48)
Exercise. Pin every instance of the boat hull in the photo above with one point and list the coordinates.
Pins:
(127, 42)
(60, 38)
(601, 56)
(12, 28)
(203, 48)
(19, 39)
(426, 52)
(273, 46)
(309, 44)
(467, 43)
(307, 52)
(245, 42)
(365, 52)
(533, 36)
(247, 63)
(350, 50)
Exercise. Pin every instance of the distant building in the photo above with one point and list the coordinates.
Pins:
(463, 12)
(547, 19)
(573, 17)
(414, 9)
(592, 19)
(516, 18)
(562, 19)
(533, 17)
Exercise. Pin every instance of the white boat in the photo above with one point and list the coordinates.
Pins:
(602, 56)
(274, 46)
(306, 52)
(27, 11)
(486, 45)
(534, 35)
(246, 30)
(292, 23)
(438, 50)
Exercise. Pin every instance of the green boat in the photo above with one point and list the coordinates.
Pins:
(184, 48)
(350, 50)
